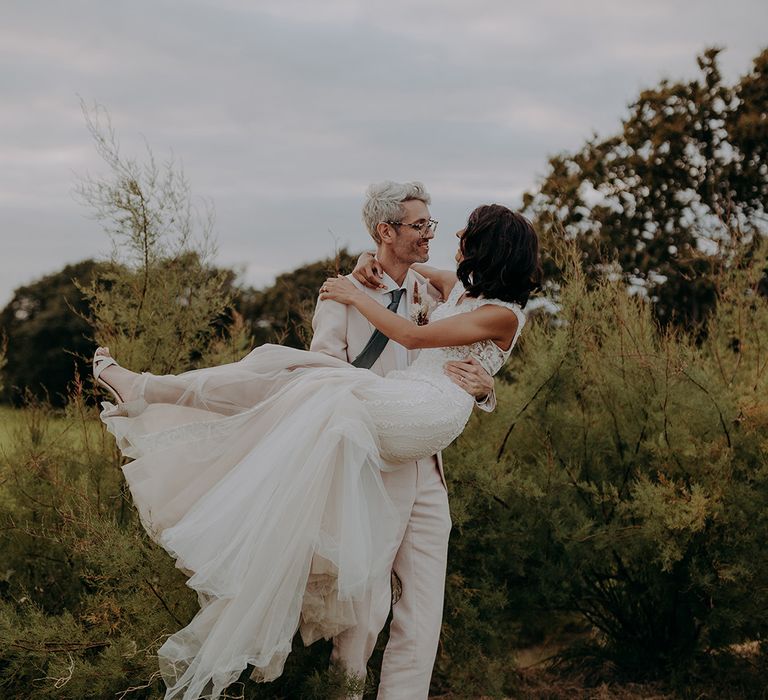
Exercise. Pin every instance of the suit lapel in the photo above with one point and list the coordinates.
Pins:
(378, 296)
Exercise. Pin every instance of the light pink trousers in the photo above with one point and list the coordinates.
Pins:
(419, 560)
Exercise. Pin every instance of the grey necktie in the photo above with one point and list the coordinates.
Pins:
(378, 341)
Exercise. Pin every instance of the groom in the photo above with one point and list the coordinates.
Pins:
(397, 217)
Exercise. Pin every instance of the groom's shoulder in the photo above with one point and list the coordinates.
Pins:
(354, 281)
(334, 304)
(370, 292)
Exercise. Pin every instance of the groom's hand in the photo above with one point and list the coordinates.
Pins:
(470, 376)
(369, 272)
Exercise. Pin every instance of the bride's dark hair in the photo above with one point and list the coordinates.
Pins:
(501, 255)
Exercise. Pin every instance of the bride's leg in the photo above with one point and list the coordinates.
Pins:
(196, 392)
(131, 385)
(226, 389)
(117, 380)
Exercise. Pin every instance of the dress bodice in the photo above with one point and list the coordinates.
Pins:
(486, 352)
(420, 410)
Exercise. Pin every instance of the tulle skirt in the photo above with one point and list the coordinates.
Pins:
(262, 479)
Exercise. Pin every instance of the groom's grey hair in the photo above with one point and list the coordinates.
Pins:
(383, 202)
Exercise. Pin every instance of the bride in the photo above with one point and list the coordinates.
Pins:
(261, 477)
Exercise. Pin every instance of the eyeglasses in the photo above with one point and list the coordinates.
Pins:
(421, 227)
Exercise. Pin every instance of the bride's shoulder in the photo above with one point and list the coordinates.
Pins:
(500, 302)
(511, 305)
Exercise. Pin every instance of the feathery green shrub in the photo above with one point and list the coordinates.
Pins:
(623, 480)
(618, 489)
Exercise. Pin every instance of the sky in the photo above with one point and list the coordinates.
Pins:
(281, 112)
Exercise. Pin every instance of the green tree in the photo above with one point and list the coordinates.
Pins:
(283, 312)
(160, 303)
(661, 201)
(747, 126)
(47, 335)
(3, 362)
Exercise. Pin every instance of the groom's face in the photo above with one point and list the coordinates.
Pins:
(409, 245)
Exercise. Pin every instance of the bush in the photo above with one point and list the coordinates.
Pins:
(624, 478)
(3, 362)
(86, 598)
(619, 487)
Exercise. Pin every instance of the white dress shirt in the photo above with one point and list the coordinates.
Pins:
(401, 352)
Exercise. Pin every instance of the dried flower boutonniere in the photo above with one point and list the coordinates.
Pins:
(422, 305)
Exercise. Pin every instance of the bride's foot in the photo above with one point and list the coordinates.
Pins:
(117, 380)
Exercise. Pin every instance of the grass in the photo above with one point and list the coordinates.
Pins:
(11, 421)
(540, 677)
(45, 421)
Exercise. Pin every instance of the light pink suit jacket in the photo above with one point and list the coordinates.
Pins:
(340, 330)
(419, 554)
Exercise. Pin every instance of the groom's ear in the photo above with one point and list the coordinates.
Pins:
(386, 232)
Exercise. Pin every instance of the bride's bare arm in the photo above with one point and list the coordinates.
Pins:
(442, 280)
(369, 272)
(489, 322)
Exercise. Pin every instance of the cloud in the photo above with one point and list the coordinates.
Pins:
(283, 111)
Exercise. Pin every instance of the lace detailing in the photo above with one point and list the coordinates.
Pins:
(420, 411)
(416, 414)
(486, 352)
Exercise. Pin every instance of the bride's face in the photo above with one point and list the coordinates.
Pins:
(459, 254)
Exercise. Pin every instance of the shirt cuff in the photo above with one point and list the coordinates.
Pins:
(488, 403)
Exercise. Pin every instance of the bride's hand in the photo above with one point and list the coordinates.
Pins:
(369, 271)
(339, 289)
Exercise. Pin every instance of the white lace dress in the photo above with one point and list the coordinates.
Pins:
(261, 478)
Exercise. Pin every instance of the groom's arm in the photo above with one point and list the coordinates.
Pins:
(329, 326)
